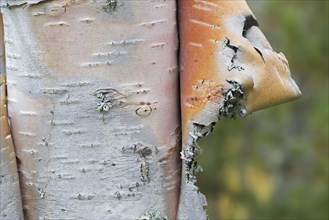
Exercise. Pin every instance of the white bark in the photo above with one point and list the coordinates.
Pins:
(10, 197)
(65, 59)
(76, 162)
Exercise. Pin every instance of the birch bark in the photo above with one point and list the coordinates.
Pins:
(93, 98)
(227, 69)
(10, 196)
(65, 59)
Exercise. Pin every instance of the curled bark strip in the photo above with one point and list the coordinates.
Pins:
(246, 75)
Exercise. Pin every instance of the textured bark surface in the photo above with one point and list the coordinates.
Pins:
(228, 69)
(10, 197)
(94, 103)
(65, 59)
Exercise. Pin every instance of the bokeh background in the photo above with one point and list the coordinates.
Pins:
(274, 164)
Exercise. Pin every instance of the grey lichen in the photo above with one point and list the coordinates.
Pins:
(234, 101)
(188, 155)
(190, 152)
(109, 98)
(231, 106)
(103, 105)
(153, 215)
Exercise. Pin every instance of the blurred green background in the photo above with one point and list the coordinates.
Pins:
(274, 164)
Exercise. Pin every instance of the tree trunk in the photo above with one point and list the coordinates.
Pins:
(94, 107)
(94, 101)
(10, 196)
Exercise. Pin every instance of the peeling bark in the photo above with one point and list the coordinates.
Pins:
(94, 103)
(228, 69)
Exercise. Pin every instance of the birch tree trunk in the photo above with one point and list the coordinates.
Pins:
(94, 102)
(10, 196)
